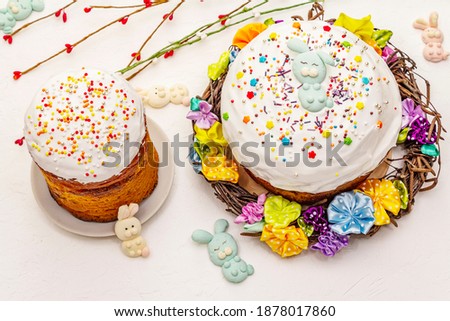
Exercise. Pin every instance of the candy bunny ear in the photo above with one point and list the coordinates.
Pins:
(201, 236)
(133, 208)
(434, 19)
(420, 24)
(124, 212)
(220, 226)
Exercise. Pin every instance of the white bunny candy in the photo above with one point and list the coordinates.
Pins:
(432, 37)
(128, 229)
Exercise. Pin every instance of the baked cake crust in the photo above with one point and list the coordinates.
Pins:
(99, 201)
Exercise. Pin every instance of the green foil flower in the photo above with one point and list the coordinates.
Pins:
(280, 212)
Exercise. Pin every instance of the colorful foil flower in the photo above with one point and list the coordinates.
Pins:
(195, 160)
(288, 241)
(419, 132)
(280, 212)
(306, 228)
(219, 168)
(387, 55)
(382, 37)
(246, 34)
(217, 69)
(330, 243)
(252, 212)
(385, 197)
(315, 215)
(403, 191)
(351, 213)
(203, 118)
(410, 112)
(363, 28)
(212, 136)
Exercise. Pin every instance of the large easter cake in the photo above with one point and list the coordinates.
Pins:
(296, 130)
(321, 106)
(86, 130)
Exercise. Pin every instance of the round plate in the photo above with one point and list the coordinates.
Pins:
(147, 208)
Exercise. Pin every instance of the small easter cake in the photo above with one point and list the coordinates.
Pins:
(320, 105)
(86, 131)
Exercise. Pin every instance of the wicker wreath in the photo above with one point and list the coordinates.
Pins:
(416, 171)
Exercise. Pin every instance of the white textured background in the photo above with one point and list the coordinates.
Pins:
(38, 260)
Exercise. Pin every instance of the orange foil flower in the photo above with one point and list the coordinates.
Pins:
(288, 241)
(385, 197)
(246, 34)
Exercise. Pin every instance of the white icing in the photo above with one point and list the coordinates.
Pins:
(274, 108)
(74, 115)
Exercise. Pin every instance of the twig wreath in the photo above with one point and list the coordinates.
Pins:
(287, 227)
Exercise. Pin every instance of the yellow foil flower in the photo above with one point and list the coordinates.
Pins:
(363, 28)
(213, 135)
(385, 197)
(220, 169)
(288, 241)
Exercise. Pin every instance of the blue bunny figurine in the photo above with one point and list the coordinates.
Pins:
(17, 10)
(309, 68)
(7, 21)
(222, 249)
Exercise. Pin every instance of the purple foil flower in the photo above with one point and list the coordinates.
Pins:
(203, 118)
(330, 243)
(386, 53)
(419, 132)
(252, 212)
(316, 217)
(410, 112)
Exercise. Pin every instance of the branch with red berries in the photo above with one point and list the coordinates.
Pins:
(60, 13)
(168, 16)
(69, 47)
(223, 22)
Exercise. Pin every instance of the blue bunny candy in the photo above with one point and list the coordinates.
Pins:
(222, 249)
(17, 10)
(309, 67)
(7, 21)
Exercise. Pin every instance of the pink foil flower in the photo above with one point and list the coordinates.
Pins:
(386, 53)
(203, 118)
(252, 212)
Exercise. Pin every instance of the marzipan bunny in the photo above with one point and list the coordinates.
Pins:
(432, 37)
(17, 10)
(222, 249)
(128, 229)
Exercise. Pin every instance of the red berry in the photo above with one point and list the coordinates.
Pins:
(17, 75)
(326, 28)
(19, 141)
(8, 38)
(64, 17)
(223, 17)
(124, 20)
(87, 9)
(58, 13)
(147, 3)
(69, 48)
(136, 55)
(167, 15)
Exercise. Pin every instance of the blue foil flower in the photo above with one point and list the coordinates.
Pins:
(194, 159)
(351, 212)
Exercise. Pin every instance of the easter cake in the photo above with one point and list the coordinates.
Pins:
(322, 105)
(87, 133)
(300, 129)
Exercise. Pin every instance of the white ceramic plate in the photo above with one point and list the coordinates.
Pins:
(147, 208)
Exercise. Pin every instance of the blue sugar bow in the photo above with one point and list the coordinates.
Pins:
(351, 213)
